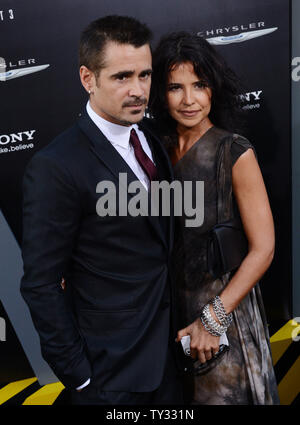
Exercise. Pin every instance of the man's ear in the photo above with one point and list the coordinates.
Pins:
(87, 78)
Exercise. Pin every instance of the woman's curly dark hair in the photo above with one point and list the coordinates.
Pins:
(182, 47)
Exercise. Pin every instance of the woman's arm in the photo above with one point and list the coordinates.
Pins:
(252, 199)
(254, 207)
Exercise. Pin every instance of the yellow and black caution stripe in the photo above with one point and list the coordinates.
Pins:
(285, 345)
(285, 351)
(29, 392)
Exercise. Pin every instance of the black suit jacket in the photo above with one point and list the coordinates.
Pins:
(112, 322)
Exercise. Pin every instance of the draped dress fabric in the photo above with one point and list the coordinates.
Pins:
(245, 373)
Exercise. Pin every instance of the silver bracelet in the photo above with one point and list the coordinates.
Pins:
(224, 319)
(210, 324)
(208, 328)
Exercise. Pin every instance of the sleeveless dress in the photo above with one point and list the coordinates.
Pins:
(244, 374)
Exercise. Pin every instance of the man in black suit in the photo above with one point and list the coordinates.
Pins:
(109, 335)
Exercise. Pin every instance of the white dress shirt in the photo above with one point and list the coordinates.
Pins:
(118, 136)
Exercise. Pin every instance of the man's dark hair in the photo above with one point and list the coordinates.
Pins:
(119, 29)
(181, 47)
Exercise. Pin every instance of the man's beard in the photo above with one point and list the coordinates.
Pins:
(129, 123)
(137, 102)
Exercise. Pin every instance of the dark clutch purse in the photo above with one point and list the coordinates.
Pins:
(227, 244)
(227, 247)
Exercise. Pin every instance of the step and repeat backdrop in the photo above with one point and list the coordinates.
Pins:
(41, 95)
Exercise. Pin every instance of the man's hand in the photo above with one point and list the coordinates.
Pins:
(203, 344)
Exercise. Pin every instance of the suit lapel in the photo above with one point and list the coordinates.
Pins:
(110, 157)
(165, 171)
(104, 150)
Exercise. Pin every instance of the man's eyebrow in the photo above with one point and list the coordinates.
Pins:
(121, 74)
(129, 73)
(146, 71)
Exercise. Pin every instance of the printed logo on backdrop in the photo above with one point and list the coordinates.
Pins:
(236, 33)
(18, 68)
(296, 70)
(251, 100)
(15, 142)
(7, 15)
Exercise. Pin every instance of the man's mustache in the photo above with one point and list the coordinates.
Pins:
(140, 101)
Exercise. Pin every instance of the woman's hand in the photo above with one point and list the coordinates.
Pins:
(203, 344)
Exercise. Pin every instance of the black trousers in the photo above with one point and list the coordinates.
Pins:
(170, 391)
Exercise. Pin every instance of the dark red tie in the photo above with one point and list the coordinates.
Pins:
(144, 161)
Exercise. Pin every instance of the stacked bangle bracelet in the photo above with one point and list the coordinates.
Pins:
(210, 324)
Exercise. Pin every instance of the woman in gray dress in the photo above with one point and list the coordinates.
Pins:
(194, 104)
